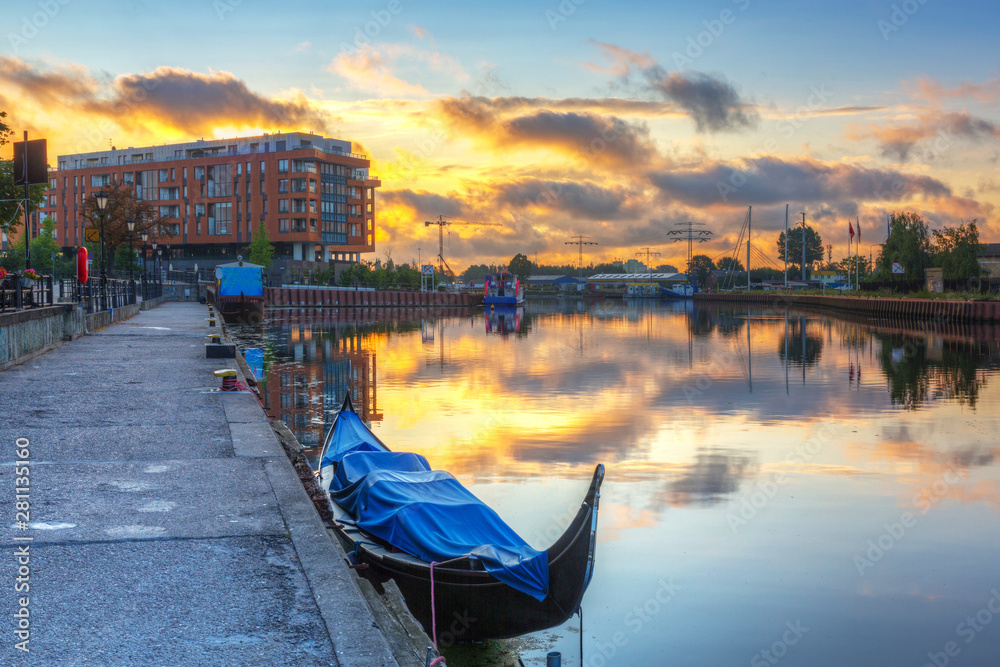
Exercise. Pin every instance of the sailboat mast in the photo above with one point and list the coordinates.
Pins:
(749, 223)
(786, 245)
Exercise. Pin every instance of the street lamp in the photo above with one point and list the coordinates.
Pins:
(131, 250)
(102, 204)
(154, 258)
(145, 237)
(159, 254)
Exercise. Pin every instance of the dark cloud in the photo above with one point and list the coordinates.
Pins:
(428, 204)
(595, 138)
(771, 180)
(174, 97)
(585, 200)
(188, 99)
(713, 103)
(932, 135)
(714, 475)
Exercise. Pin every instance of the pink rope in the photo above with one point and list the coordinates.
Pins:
(437, 660)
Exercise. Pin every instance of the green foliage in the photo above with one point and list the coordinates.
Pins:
(125, 259)
(666, 268)
(814, 247)
(847, 265)
(766, 273)
(320, 276)
(261, 250)
(699, 267)
(520, 266)
(909, 243)
(955, 251)
(730, 264)
(478, 272)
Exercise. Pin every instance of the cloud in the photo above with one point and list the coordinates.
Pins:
(593, 138)
(427, 205)
(933, 133)
(172, 97)
(372, 68)
(772, 180)
(368, 70)
(585, 200)
(712, 102)
(933, 92)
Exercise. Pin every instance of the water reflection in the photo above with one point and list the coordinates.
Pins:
(755, 452)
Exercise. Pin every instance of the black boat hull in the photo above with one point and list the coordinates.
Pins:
(468, 603)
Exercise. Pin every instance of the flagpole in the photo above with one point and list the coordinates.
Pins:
(857, 259)
(786, 246)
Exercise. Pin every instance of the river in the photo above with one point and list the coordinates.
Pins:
(784, 487)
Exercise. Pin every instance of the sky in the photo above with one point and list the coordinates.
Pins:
(618, 121)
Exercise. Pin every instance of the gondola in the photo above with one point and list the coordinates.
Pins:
(470, 598)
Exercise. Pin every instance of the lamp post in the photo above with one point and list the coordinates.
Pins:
(131, 250)
(159, 254)
(145, 237)
(102, 204)
(154, 258)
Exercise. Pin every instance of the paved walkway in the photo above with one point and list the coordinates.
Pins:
(167, 525)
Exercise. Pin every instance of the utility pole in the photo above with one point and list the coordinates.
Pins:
(648, 252)
(690, 234)
(579, 240)
(749, 223)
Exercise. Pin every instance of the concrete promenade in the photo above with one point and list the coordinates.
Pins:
(167, 526)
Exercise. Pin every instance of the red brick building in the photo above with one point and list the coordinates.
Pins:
(315, 196)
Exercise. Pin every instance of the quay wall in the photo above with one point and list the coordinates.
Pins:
(320, 297)
(916, 309)
(27, 333)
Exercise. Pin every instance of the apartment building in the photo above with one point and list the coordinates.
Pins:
(315, 196)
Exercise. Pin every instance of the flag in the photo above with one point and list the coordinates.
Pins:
(850, 230)
(857, 223)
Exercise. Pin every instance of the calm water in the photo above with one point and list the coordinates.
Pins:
(783, 487)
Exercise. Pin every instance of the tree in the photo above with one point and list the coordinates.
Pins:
(909, 244)
(699, 267)
(730, 264)
(665, 268)
(42, 248)
(520, 266)
(814, 247)
(123, 205)
(955, 251)
(261, 250)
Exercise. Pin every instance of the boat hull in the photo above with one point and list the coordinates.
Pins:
(502, 301)
(471, 605)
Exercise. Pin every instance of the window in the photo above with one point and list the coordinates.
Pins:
(299, 205)
(282, 225)
(312, 205)
(262, 170)
(53, 200)
(199, 209)
(312, 185)
(52, 184)
(370, 193)
(163, 175)
(282, 206)
(239, 169)
(282, 185)
(369, 205)
(298, 224)
(169, 193)
(298, 185)
(282, 166)
(170, 211)
(220, 178)
(220, 218)
(173, 174)
(128, 178)
(369, 224)
(199, 173)
(99, 180)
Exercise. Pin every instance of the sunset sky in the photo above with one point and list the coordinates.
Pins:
(612, 120)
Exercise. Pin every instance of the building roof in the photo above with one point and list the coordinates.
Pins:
(989, 250)
(551, 279)
(632, 277)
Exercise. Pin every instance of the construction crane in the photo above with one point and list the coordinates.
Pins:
(441, 222)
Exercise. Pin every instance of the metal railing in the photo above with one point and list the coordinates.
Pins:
(18, 292)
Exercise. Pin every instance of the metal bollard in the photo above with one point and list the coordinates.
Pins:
(553, 659)
(228, 376)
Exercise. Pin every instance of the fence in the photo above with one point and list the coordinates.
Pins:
(17, 292)
(980, 285)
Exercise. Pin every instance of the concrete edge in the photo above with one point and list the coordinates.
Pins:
(357, 639)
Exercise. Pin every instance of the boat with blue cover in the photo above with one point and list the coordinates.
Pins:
(450, 554)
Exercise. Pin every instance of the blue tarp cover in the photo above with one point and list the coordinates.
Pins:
(426, 513)
(240, 280)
